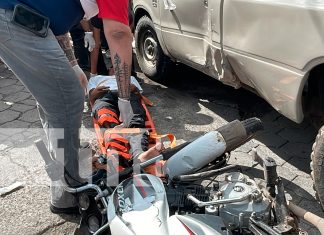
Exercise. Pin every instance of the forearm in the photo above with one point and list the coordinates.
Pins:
(95, 53)
(86, 26)
(64, 41)
(119, 39)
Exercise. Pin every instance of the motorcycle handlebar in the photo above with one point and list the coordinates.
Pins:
(163, 156)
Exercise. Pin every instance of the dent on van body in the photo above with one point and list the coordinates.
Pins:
(218, 66)
(281, 87)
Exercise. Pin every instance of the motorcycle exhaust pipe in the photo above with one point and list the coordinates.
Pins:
(192, 156)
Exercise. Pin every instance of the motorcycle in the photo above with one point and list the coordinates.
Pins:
(187, 199)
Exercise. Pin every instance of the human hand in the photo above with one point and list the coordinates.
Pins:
(126, 112)
(89, 41)
(82, 77)
(97, 92)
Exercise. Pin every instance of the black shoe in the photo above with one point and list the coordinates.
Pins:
(67, 211)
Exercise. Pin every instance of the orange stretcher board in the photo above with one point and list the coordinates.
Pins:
(149, 124)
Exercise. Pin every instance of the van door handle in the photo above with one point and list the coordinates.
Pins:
(169, 5)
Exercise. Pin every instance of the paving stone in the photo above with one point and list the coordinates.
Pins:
(313, 206)
(19, 96)
(3, 106)
(271, 116)
(6, 73)
(37, 124)
(287, 123)
(270, 139)
(247, 147)
(33, 134)
(15, 127)
(7, 82)
(4, 132)
(28, 102)
(269, 122)
(21, 107)
(8, 115)
(310, 229)
(297, 149)
(3, 67)
(299, 135)
(248, 166)
(264, 151)
(300, 166)
(30, 116)
(10, 89)
(31, 217)
(300, 156)
(303, 187)
(286, 174)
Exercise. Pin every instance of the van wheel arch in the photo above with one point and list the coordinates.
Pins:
(150, 56)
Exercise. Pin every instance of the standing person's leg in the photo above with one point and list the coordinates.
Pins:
(101, 67)
(98, 65)
(43, 68)
(81, 53)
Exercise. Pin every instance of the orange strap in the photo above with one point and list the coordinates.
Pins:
(106, 111)
(116, 146)
(171, 137)
(117, 130)
(127, 156)
(146, 100)
(105, 118)
(117, 137)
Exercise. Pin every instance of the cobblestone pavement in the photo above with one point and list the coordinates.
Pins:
(188, 110)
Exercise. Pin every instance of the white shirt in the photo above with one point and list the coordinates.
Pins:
(90, 8)
(109, 81)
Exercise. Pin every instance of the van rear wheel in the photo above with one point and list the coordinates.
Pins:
(151, 59)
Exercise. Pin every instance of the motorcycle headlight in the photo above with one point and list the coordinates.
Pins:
(84, 201)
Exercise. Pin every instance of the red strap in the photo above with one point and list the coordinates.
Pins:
(106, 111)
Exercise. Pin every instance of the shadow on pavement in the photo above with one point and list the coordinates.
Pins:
(186, 92)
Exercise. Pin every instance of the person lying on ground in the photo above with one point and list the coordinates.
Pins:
(103, 95)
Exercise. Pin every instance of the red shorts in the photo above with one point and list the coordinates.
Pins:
(114, 10)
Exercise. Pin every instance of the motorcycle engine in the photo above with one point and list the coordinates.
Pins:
(236, 215)
(177, 198)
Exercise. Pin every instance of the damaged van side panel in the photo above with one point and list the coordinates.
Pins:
(266, 45)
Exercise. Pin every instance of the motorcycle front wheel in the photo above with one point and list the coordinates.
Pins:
(317, 166)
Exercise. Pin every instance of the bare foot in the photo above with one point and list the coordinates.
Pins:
(151, 152)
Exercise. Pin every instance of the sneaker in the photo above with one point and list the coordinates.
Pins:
(67, 211)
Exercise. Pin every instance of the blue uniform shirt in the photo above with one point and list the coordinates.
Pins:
(63, 14)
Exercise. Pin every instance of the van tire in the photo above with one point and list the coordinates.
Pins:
(151, 59)
(317, 166)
